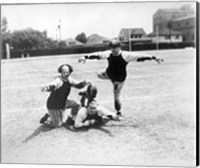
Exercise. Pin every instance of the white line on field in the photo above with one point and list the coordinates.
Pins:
(108, 101)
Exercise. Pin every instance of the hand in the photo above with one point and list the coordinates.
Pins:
(92, 121)
(158, 60)
(87, 82)
(105, 119)
(82, 60)
(116, 118)
(43, 88)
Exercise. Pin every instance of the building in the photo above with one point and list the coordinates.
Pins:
(166, 36)
(187, 26)
(163, 17)
(72, 42)
(173, 21)
(133, 35)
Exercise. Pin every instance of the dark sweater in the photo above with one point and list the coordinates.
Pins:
(116, 68)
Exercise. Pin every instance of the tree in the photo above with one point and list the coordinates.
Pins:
(81, 37)
(5, 34)
(31, 39)
(4, 25)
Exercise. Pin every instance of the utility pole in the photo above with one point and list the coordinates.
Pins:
(129, 38)
(7, 51)
(157, 38)
(59, 28)
(56, 34)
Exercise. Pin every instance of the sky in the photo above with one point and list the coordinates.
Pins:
(103, 18)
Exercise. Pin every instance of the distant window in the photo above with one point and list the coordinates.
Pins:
(174, 25)
(167, 37)
(177, 36)
(184, 38)
(105, 41)
(72, 43)
(132, 35)
(121, 38)
(186, 23)
(139, 36)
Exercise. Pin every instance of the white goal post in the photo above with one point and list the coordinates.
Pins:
(7, 51)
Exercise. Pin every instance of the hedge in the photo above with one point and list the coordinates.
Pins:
(93, 48)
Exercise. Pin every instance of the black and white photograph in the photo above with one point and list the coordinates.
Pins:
(99, 83)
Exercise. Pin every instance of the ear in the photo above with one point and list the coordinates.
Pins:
(60, 68)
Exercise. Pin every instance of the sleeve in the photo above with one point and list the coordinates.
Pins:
(55, 84)
(80, 118)
(77, 84)
(99, 55)
(136, 56)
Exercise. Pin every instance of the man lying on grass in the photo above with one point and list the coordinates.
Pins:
(92, 113)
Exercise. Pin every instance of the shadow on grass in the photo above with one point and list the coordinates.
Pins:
(100, 128)
(40, 129)
(46, 128)
(84, 129)
(123, 125)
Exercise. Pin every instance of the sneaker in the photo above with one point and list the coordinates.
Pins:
(44, 118)
(119, 115)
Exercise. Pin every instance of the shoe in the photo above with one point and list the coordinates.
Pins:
(119, 115)
(44, 118)
(69, 121)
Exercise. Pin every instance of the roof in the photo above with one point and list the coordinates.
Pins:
(165, 32)
(97, 39)
(134, 31)
(171, 10)
(174, 10)
(126, 31)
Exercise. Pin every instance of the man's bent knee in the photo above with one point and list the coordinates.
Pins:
(102, 75)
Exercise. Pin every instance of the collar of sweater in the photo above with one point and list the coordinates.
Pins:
(63, 79)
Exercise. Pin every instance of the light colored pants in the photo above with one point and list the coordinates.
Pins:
(56, 115)
(117, 87)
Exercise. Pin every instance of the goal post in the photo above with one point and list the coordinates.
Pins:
(7, 51)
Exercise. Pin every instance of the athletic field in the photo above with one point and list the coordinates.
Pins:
(158, 106)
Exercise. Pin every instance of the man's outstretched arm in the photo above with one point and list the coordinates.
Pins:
(96, 55)
(140, 57)
(149, 58)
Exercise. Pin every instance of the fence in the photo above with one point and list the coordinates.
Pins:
(92, 48)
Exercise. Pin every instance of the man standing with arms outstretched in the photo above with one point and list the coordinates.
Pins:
(116, 70)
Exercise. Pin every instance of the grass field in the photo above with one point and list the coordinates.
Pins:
(159, 117)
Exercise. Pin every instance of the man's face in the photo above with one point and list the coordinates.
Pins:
(115, 51)
(92, 108)
(65, 72)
